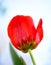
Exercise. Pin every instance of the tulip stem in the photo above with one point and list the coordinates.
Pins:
(31, 57)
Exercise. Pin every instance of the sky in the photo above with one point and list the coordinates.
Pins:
(36, 9)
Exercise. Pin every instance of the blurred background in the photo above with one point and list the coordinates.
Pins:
(35, 8)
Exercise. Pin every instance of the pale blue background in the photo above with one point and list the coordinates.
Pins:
(35, 8)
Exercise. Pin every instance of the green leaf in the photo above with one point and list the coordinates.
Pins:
(16, 59)
(22, 60)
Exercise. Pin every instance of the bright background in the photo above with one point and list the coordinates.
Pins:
(35, 8)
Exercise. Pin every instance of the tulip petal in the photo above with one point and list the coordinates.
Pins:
(31, 27)
(39, 33)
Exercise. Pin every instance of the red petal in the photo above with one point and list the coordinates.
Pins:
(39, 33)
(32, 27)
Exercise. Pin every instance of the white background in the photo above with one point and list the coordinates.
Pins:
(37, 9)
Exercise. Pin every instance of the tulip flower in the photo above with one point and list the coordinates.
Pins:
(23, 34)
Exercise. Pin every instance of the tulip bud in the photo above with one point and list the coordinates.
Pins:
(23, 34)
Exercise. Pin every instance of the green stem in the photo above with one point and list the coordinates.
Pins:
(31, 57)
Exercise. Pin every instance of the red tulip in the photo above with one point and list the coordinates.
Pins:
(23, 34)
